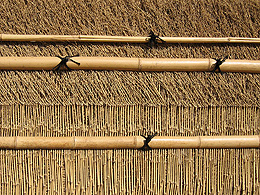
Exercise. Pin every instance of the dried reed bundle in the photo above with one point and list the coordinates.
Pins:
(129, 142)
(173, 171)
(133, 64)
(123, 39)
(125, 103)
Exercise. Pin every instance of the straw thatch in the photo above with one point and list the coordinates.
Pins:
(96, 103)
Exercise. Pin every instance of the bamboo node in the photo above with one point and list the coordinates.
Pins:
(139, 65)
(63, 62)
(146, 142)
(74, 142)
(15, 142)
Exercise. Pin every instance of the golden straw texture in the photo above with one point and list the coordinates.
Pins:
(115, 103)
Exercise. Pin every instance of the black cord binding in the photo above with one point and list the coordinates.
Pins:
(146, 142)
(154, 39)
(63, 62)
(219, 62)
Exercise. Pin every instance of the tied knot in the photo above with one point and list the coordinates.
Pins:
(219, 62)
(63, 62)
(146, 142)
(154, 39)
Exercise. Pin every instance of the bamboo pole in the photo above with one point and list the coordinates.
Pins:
(131, 142)
(123, 39)
(133, 64)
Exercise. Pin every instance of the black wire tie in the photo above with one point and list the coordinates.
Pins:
(63, 62)
(154, 39)
(146, 142)
(219, 62)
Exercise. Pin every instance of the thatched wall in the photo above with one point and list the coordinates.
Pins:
(46, 103)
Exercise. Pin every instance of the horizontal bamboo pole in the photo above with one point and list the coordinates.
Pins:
(123, 39)
(133, 64)
(131, 142)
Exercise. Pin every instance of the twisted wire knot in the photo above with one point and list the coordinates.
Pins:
(146, 142)
(154, 39)
(219, 62)
(63, 62)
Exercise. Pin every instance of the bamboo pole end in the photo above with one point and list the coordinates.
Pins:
(212, 63)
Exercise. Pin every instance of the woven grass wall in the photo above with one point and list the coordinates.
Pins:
(111, 103)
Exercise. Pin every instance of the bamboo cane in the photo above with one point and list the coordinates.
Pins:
(133, 64)
(123, 39)
(131, 142)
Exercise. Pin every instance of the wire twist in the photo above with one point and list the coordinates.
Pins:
(63, 62)
(219, 62)
(146, 142)
(154, 39)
